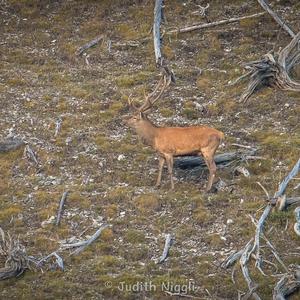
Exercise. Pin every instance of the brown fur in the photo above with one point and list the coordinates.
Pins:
(170, 142)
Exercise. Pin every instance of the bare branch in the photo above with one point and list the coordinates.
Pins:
(88, 45)
(212, 24)
(168, 244)
(61, 206)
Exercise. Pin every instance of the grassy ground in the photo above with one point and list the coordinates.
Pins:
(42, 80)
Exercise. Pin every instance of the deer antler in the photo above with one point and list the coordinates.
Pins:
(151, 98)
(131, 104)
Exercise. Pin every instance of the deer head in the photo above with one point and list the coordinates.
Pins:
(140, 114)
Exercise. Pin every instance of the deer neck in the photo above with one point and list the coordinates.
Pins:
(147, 132)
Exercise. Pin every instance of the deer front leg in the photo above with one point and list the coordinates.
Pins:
(169, 159)
(160, 169)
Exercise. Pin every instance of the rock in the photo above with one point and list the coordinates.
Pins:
(11, 144)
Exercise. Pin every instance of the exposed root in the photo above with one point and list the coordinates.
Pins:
(14, 256)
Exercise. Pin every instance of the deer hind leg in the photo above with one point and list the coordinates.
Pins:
(170, 160)
(209, 160)
(160, 169)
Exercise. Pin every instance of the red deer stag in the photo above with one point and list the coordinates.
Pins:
(171, 142)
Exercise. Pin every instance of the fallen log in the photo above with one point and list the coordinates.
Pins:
(223, 159)
(11, 144)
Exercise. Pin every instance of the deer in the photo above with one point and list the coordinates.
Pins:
(172, 142)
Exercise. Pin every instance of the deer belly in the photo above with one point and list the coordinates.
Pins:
(186, 152)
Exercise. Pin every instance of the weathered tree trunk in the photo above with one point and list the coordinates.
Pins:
(273, 70)
(156, 31)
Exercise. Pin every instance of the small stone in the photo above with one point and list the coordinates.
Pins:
(121, 157)
(229, 221)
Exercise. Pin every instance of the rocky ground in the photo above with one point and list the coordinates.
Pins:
(110, 175)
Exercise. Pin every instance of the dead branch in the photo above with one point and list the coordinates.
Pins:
(59, 260)
(57, 126)
(287, 179)
(61, 206)
(88, 45)
(156, 31)
(265, 214)
(268, 9)
(30, 155)
(247, 252)
(14, 255)
(83, 244)
(272, 71)
(168, 243)
(212, 24)
(11, 144)
(297, 224)
(243, 262)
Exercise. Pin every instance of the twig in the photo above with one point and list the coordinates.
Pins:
(275, 253)
(168, 244)
(244, 146)
(59, 260)
(88, 45)
(29, 153)
(57, 126)
(61, 206)
(212, 24)
(264, 189)
(182, 295)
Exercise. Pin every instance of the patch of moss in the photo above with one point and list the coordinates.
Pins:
(134, 236)
(147, 203)
(7, 213)
(127, 81)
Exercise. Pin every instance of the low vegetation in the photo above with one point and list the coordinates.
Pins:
(108, 172)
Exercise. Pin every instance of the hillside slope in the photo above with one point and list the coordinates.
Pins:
(110, 175)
